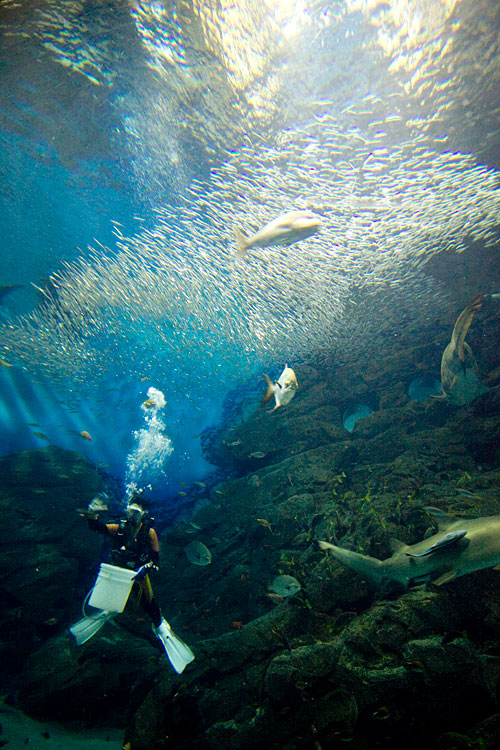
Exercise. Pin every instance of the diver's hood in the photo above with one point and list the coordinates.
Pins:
(135, 513)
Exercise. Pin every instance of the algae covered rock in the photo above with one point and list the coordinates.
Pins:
(290, 673)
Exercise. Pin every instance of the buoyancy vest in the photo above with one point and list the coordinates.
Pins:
(130, 549)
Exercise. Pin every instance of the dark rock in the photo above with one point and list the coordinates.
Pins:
(47, 553)
(90, 683)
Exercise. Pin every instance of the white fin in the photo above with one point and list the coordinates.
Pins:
(241, 243)
(179, 654)
(270, 389)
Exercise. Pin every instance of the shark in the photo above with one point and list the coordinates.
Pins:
(460, 547)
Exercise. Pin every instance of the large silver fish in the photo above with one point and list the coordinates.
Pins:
(461, 547)
(460, 382)
(283, 389)
(286, 229)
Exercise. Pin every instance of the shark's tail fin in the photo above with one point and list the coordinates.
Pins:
(368, 567)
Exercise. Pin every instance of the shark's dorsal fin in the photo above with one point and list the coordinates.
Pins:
(395, 545)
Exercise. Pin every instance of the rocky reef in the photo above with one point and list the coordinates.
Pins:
(336, 663)
(44, 557)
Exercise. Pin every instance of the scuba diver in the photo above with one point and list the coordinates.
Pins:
(134, 548)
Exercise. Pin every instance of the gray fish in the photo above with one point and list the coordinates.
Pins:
(285, 586)
(198, 554)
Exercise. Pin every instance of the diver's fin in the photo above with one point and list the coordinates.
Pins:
(88, 626)
(241, 243)
(179, 654)
(270, 389)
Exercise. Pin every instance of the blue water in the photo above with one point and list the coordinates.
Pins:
(120, 125)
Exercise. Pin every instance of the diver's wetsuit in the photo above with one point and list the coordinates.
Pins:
(132, 547)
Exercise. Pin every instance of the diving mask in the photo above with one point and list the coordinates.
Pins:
(135, 513)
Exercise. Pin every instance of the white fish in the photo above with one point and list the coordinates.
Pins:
(286, 229)
(460, 382)
(283, 389)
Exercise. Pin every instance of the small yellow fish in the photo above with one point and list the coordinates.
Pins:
(200, 484)
(234, 443)
(264, 522)
(182, 494)
(41, 436)
(85, 435)
(149, 403)
(143, 380)
(4, 363)
(381, 713)
(256, 454)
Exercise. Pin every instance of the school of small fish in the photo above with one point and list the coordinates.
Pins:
(343, 195)
(144, 305)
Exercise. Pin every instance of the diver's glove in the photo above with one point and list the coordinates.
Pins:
(96, 506)
(143, 571)
(89, 513)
